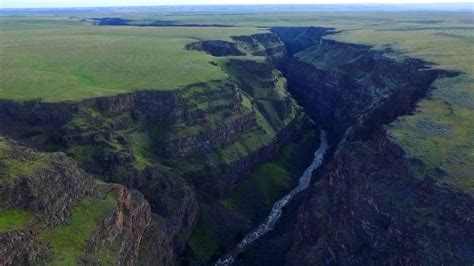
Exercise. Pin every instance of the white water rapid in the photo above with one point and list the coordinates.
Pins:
(272, 218)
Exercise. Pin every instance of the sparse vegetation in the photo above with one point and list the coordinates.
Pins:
(261, 188)
(270, 179)
(68, 242)
(59, 58)
(18, 161)
(441, 133)
(202, 241)
(14, 219)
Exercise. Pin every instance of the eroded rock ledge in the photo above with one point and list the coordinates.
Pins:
(369, 206)
(183, 152)
(170, 145)
(46, 198)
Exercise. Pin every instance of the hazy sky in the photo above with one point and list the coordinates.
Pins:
(87, 3)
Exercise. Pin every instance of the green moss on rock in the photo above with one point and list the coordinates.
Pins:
(69, 241)
(14, 219)
(16, 161)
(202, 241)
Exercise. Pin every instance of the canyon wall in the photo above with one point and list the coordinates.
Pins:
(369, 205)
(174, 146)
(187, 150)
(46, 198)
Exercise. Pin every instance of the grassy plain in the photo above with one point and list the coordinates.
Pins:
(56, 59)
(441, 132)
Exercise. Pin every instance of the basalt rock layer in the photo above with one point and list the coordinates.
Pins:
(369, 206)
(188, 151)
(42, 198)
(263, 44)
(171, 146)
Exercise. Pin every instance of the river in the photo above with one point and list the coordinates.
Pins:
(277, 209)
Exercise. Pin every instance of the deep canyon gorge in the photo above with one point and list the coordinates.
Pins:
(172, 170)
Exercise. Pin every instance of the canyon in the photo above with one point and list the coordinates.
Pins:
(169, 168)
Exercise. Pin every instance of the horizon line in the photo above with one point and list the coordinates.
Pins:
(253, 4)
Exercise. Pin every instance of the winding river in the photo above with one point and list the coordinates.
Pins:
(267, 226)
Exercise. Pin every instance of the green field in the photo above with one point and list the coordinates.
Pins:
(56, 59)
(61, 58)
(441, 133)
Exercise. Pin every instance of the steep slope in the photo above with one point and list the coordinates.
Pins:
(369, 205)
(211, 158)
(263, 44)
(53, 212)
(183, 149)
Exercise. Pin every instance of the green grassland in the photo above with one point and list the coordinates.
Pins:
(256, 194)
(203, 241)
(69, 241)
(14, 219)
(18, 161)
(58, 59)
(441, 132)
(270, 179)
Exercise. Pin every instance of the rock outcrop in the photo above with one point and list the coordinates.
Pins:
(189, 148)
(368, 206)
(216, 48)
(51, 189)
(39, 192)
(212, 135)
(262, 44)
(18, 247)
(175, 211)
(123, 230)
(376, 211)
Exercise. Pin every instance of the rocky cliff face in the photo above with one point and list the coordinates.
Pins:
(263, 44)
(187, 149)
(40, 193)
(170, 145)
(216, 48)
(121, 233)
(51, 189)
(338, 83)
(369, 206)
(376, 211)
(175, 210)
